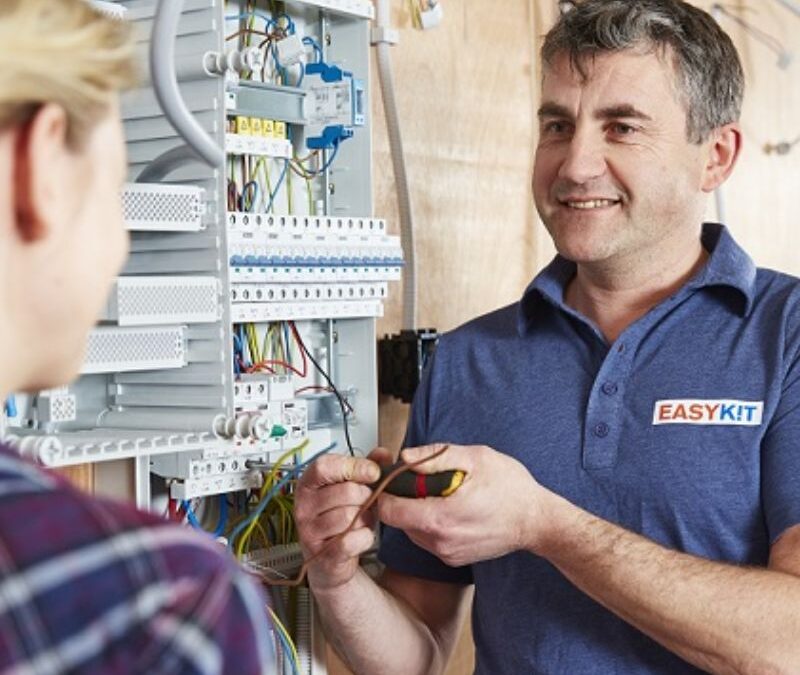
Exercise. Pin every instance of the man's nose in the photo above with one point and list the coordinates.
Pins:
(584, 159)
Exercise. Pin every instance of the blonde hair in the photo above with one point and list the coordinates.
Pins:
(63, 52)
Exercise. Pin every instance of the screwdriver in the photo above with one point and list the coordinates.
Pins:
(419, 485)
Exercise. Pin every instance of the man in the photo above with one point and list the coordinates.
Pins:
(629, 429)
(86, 585)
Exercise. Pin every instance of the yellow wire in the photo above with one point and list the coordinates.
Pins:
(270, 480)
(261, 165)
(289, 192)
(285, 634)
(311, 210)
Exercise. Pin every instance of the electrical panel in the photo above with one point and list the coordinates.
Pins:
(242, 327)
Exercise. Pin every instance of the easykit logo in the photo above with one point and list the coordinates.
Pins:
(723, 412)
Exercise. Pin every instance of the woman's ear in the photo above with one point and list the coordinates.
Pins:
(42, 181)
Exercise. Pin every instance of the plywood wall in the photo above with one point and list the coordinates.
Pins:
(467, 97)
(468, 94)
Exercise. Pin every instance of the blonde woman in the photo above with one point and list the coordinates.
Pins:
(86, 586)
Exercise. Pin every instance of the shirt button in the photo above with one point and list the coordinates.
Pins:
(610, 388)
(601, 430)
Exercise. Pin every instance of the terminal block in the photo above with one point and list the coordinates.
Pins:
(402, 358)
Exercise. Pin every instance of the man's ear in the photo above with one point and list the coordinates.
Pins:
(40, 152)
(724, 149)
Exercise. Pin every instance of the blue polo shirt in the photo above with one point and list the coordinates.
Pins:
(685, 430)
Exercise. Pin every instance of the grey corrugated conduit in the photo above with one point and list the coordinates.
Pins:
(165, 85)
(382, 40)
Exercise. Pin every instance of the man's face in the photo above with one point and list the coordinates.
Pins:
(615, 178)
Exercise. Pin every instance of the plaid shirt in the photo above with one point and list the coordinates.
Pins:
(92, 586)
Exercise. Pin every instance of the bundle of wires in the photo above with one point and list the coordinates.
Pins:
(274, 353)
(291, 474)
(344, 406)
(277, 512)
(287, 646)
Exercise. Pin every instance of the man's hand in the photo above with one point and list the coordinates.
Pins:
(328, 497)
(498, 509)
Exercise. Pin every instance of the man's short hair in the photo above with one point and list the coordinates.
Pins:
(709, 74)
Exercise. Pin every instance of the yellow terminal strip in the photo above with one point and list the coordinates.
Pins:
(267, 128)
(255, 126)
(280, 129)
(242, 125)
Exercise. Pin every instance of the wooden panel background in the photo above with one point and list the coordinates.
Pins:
(467, 96)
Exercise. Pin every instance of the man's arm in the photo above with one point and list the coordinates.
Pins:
(405, 625)
(720, 617)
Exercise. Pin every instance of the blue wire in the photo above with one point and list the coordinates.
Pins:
(287, 650)
(195, 523)
(237, 349)
(252, 185)
(289, 23)
(243, 343)
(277, 187)
(223, 517)
(290, 474)
(186, 506)
(317, 49)
(287, 343)
(331, 158)
(283, 72)
(328, 162)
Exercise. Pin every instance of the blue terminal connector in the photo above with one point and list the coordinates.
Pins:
(330, 138)
(11, 406)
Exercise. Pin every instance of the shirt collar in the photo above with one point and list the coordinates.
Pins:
(728, 266)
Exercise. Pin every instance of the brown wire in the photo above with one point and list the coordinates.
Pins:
(364, 508)
(244, 31)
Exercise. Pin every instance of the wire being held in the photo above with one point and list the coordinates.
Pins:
(379, 489)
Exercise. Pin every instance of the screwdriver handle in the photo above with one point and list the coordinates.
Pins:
(419, 485)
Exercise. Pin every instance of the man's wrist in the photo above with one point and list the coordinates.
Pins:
(550, 524)
(325, 593)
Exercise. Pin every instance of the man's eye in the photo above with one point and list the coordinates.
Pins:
(622, 129)
(556, 127)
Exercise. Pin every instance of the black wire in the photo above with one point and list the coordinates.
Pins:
(342, 402)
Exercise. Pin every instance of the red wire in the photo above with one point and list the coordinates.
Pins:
(174, 511)
(300, 344)
(268, 363)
